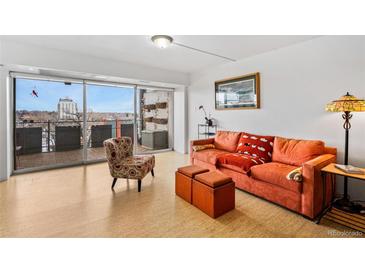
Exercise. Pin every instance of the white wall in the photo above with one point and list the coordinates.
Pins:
(180, 120)
(21, 54)
(3, 121)
(296, 83)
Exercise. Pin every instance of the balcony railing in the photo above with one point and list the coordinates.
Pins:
(51, 136)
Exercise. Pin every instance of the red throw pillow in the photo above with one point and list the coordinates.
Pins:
(245, 162)
(256, 146)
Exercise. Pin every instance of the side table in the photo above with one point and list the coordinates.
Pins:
(331, 170)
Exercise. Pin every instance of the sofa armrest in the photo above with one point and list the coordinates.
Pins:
(312, 195)
(198, 143)
(202, 142)
(319, 162)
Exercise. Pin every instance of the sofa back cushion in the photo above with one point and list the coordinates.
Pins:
(296, 152)
(256, 146)
(226, 140)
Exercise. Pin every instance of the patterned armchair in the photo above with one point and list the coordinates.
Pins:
(122, 163)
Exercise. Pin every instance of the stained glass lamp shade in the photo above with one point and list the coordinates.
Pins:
(346, 103)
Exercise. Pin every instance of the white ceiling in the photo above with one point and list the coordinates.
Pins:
(139, 49)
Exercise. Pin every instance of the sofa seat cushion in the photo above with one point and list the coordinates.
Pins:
(275, 173)
(256, 146)
(226, 140)
(296, 152)
(233, 168)
(208, 155)
(242, 162)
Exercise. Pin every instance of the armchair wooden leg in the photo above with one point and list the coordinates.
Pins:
(114, 182)
(139, 185)
(153, 173)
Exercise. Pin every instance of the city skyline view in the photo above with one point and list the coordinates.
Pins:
(48, 93)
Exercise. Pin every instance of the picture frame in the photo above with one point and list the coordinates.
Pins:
(242, 92)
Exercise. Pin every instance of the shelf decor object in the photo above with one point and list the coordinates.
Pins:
(346, 104)
(161, 105)
(161, 121)
(148, 119)
(209, 121)
(241, 92)
(150, 107)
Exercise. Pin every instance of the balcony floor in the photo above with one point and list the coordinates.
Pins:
(64, 157)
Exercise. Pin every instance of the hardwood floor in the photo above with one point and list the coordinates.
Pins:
(78, 202)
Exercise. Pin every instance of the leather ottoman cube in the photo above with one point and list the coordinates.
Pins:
(183, 181)
(213, 193)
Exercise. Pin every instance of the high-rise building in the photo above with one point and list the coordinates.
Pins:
(67, 109)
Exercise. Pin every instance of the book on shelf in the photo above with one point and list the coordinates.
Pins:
(350, 169)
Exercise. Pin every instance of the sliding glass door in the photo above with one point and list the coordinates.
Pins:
(60, 122)
(47, 123)
(110, 113)
(154, 119)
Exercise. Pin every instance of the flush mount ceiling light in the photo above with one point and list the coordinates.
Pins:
(163, 41)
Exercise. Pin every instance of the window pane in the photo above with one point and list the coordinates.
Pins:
(110, 113)
(48, 118)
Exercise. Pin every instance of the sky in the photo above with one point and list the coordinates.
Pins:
(99, 98)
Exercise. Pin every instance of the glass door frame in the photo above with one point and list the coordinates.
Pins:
(14, 75)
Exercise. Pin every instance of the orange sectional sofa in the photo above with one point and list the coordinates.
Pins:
(266, 178)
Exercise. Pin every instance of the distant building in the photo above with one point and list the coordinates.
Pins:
(67, 109)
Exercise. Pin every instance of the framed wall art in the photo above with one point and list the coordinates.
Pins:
(241, 92)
